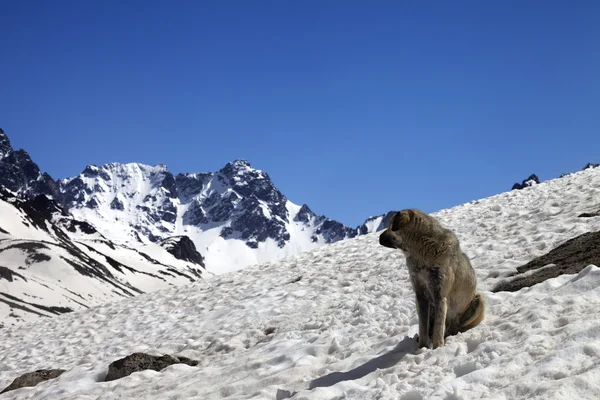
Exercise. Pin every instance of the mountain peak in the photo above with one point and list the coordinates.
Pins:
(237, 166)
(240, 172)
(240, 162)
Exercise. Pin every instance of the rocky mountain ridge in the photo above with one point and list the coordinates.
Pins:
(236, 210)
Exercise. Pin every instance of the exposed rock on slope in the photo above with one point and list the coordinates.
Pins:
(530, 181)
(568, 258)
(140, 362)
(182, 248)
(33, 378)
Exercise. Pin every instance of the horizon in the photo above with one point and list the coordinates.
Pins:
(352, 110)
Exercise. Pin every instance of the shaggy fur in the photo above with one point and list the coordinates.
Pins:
(441, 274)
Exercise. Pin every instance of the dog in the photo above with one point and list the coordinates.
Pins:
(441, 275)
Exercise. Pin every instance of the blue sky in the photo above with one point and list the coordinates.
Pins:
(352, 107)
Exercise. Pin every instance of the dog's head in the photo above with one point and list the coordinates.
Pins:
(392, 236)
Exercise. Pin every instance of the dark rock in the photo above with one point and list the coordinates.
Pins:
(305, 214)
(73, 191)
(252, 223)
(183, 248)
(44, 206)
(236, 167)
(140, 362)
(589, 215)
(195, 215)
(170, 184)
(223, 210)
(20, 174)
(167, 212)
(283, 394)
(116, 204)
(91, 203)
(530, 181)
(226, 232)
(31, 379)
(8, 274)
(568, 258)
(333, 231)
(270, 330)
(93, 171)
(72, 225)
(190, 185)
(590, 165)
(211, 200)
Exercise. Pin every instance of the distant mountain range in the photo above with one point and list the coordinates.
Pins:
(235, 216)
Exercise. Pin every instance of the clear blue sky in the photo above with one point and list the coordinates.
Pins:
(354, 108)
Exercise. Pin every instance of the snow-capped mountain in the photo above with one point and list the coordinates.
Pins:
(235, 216)
(339, 322)
(124, 229)
(51, 263)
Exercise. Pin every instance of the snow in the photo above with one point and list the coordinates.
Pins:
(344, 322)
(40, 272)
(17, 225)
(138, 187)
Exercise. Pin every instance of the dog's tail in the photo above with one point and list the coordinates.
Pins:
(474, 314)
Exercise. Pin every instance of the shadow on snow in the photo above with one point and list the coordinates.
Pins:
(387, 360)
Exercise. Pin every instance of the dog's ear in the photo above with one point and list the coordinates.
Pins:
(400, 219)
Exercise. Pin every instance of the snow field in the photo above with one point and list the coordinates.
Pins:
(343, 321)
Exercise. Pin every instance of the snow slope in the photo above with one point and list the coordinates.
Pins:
(46, 270)
(344, 322)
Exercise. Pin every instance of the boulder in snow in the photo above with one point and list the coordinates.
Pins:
(141, 361)
(30, 379)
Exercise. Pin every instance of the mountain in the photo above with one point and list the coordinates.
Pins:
(234, 216)
(20, 174)
(91, 238)
(340, 321)
(51, 263)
